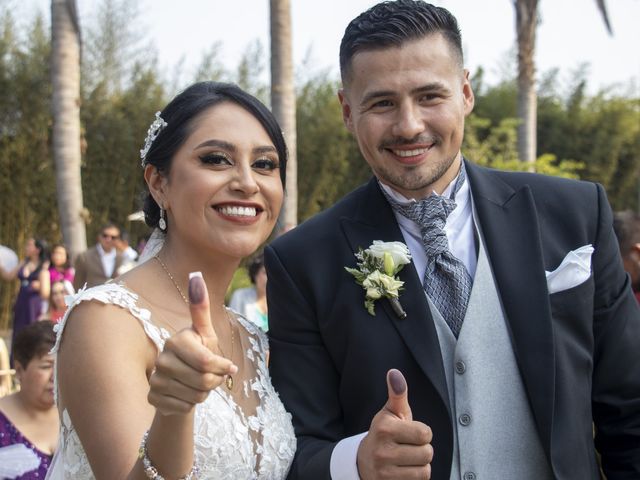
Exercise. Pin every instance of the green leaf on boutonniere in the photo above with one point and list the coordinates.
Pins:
(378, 266)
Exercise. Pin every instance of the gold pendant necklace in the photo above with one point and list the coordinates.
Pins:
(229, 380)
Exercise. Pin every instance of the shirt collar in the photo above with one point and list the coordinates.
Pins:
(398, 197)
(457, 217)
(102, 253)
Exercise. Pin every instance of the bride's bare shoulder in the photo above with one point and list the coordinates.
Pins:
(102, 318)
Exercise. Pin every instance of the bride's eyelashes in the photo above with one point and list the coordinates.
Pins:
(266, 164)
(222, 159)
(216, 158)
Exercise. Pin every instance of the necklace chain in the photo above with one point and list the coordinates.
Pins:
(173, 280)
(229, 379)
(232, 335)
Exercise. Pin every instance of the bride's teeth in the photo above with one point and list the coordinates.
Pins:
(238, 211)
(409, 153)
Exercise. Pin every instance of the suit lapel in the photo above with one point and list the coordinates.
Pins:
(509, 223)
(374, 220)
(97, 261)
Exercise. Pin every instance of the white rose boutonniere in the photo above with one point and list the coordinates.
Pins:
(378, 266)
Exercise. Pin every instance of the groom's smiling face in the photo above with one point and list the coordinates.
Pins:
(406, 107)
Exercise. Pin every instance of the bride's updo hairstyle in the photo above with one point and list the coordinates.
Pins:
(179, 115)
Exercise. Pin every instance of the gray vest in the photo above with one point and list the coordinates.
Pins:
(495, 435)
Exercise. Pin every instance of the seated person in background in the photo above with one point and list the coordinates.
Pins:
(57, 306)
(252, 301)
(627, 227)
(29, 416)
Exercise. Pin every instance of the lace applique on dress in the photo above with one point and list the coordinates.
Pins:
(228, 444)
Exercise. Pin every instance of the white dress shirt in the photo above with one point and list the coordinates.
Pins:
(108, 260)
(460, 232)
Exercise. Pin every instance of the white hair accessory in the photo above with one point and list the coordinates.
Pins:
(154, 130)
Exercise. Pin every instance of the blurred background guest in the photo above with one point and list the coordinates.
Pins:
(251, 302)
(28, 305)
(29, 416)
(627, 227)
(56, 306)
(129, 254)
(100, 262)
(6, 372)
(59, 269)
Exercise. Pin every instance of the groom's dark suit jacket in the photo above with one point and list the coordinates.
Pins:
(578, 350)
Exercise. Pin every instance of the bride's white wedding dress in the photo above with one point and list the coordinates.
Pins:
(247, 435)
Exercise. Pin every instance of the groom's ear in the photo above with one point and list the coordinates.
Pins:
(346, 110)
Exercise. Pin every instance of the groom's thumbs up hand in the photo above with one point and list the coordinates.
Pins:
(398, 403)
(395, 446)
(190, 364)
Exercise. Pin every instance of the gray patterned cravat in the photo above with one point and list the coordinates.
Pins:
(446, 279)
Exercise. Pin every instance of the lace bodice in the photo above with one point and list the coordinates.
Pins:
(228, 443)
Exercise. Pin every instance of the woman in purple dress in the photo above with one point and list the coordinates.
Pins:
(28, 418)
(28, 306)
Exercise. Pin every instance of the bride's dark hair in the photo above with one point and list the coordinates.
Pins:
(179, 115)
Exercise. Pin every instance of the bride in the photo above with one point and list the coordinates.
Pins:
(156, 379)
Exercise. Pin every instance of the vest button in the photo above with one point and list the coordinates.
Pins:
(465, 419)
(460, 367)
(469, 476)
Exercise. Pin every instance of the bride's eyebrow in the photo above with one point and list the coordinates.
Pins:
(265, 149)
(217, 143)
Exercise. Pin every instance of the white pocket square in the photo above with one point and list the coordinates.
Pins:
(574, 269)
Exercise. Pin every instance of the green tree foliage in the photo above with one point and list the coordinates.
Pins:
(112, 46)
(496, 102)
(250, 71)
(115, 126)
(601, 131)
(499, 149)
(27, 189)
(329, 163)
(210, 67)
(593, 138)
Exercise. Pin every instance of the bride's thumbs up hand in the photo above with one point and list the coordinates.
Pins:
(200, 312)
(190, 365)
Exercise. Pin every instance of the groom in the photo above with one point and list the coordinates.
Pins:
(521, 332)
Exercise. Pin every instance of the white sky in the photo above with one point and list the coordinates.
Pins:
(571, 32)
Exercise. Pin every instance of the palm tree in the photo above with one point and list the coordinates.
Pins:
(526, 24)
(283, 100)
(65, 80)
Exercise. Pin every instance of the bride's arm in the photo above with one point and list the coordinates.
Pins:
(105, 363)
(103, 366)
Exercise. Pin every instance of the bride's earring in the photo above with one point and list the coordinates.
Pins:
(162, 223)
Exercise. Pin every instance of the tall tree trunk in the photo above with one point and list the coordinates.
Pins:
(283, 100)
(65, 79)
(526, 24)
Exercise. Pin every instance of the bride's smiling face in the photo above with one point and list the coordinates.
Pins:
(223, 192)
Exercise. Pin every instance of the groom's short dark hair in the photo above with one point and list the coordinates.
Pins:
(391, 24)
